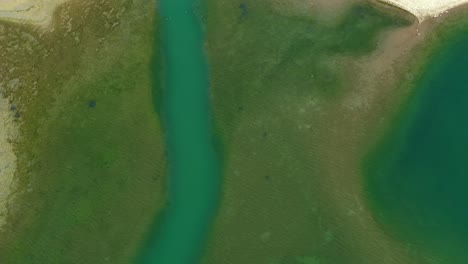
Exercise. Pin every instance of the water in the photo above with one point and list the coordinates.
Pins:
(180, 234)
(418, 178)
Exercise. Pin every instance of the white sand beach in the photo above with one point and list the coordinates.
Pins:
(424, 9)
(8, 133)
(38, 12)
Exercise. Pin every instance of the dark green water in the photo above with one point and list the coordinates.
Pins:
(418, 178)
(193, 186)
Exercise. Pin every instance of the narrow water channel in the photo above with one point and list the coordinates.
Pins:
(193, 181)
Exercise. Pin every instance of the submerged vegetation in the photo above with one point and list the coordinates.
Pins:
(90, 155)
(416, 176)
(277, 83)
(265, 52)
(297, 99)
(295, 131)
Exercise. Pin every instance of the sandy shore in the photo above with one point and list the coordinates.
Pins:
(8, 132)
(38, 12)
(424, 9)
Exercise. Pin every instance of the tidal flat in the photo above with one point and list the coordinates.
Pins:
(299, 100)
(90, 160)
(321, 121)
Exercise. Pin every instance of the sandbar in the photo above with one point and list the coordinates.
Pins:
(424, 9)
(37, 12)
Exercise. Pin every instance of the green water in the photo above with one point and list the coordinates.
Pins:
(418, 178)
(193, 166)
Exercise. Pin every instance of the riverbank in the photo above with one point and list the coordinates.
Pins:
(91, 165)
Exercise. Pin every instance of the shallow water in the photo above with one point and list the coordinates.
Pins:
(193, 165)
(418, 177)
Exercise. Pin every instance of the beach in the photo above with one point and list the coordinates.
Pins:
(20, 11)
(37, 12)
(424, 9)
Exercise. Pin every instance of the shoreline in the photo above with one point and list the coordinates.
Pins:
(22, 12)
(440, 35)
(35, 12)
(75, 171)
(423, 10)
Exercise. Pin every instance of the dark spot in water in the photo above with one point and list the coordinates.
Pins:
(92, 103)
(76, 191)
(155, 177)
(243, 8)
(265, 134)
(288, 259)
(13, 107)
(240, 109)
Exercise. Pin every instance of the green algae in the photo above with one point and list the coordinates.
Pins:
(270, 52)
(90, 150)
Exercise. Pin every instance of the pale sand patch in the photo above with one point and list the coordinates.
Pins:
(424, 9)
(37, 12)
(8, 133)
(355, 125)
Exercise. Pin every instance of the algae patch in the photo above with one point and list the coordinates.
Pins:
(8, 133)
(88, 183)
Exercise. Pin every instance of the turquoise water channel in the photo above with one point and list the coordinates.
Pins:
(193, 181)
(418, 177)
